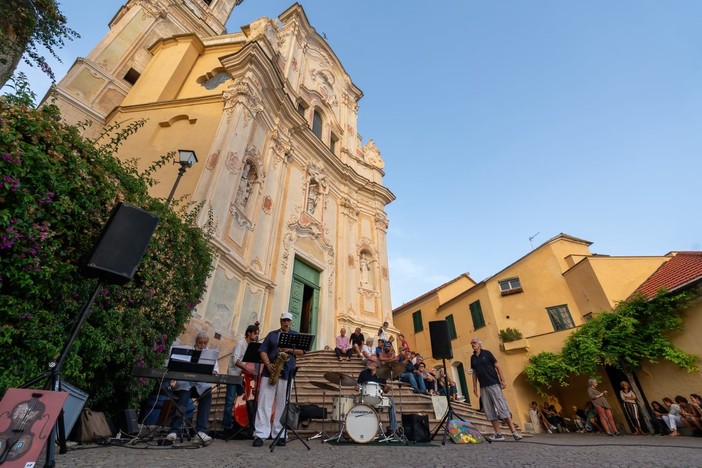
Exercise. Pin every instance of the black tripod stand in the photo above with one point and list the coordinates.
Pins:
(53, 381)
(450, 413)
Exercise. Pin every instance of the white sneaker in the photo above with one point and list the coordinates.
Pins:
(496, 437)
(204, 437)
(517, 435)
(172, 437)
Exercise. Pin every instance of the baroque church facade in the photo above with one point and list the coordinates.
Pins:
(296, 197)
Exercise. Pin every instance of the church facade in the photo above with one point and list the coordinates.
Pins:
(295, 196)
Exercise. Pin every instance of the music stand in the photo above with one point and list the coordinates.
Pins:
(295, 341)
(251, 355)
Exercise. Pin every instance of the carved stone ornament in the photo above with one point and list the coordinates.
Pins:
(232, 162)
(212, 160)
(151, 9)
(281, 144)
(240, 217)
(245, 92)
(372, 155)
(349, 208)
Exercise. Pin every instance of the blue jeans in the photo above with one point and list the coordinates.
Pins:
(416, 381)
(232, 392)
(203, 409)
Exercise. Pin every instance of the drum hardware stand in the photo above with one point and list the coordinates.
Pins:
(450, 413)
(342, 423)
(399, 434)
(295, 341)
(324, 411)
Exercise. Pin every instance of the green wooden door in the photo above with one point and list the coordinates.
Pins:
(296, 294)
(462, 381)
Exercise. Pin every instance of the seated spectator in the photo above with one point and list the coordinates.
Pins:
(379, 348)
(429, 380)
(343, 346)
(367, 350)
(453, 390)
(591, 422)
(673, 419)
(578, 419)
(403, 342)
(537, 415)
(357, 342)
(688, 413)
(441, 381)
(660, 427)
(696, 404)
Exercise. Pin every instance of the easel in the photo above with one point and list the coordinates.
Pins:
(450, 413)
(295, 341)
(251, 355)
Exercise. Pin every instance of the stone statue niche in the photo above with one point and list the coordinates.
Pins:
(246, 184)
(365, 263)
(312, 196)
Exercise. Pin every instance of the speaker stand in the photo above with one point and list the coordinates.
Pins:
(450, 413)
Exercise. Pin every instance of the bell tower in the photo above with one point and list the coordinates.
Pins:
(98, 83)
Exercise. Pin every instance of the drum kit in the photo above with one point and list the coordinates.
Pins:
(358, 416)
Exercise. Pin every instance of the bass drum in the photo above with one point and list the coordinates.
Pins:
(362, 424)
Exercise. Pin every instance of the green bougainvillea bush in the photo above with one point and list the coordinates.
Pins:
(56, 193)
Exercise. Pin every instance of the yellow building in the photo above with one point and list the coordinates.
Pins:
(545, 295)
(296, 196)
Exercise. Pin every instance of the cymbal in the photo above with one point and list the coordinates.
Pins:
(325, 386)
(340, 379)
(391, 370)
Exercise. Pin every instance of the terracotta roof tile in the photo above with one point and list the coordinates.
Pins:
(681, 269)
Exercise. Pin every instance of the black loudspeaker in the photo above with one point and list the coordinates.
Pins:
(440, 340)
(122, 243)
(416, 427)
(128, 422)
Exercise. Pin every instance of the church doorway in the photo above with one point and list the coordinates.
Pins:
(304, 299)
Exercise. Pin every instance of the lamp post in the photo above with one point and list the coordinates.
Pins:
(186, 158)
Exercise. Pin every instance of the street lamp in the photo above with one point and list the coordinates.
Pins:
(186, 158)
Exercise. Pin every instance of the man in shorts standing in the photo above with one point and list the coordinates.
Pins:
(492, 382)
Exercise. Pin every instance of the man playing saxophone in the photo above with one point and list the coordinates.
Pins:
(274, 384)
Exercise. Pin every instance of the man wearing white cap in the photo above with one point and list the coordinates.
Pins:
(274, 393)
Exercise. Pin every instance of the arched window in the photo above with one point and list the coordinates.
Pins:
(317, 124)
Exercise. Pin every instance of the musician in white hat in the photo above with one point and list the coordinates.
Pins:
(268, 392)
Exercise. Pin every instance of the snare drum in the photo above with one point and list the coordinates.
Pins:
(341, 407)
(362, 424)
(371, 393)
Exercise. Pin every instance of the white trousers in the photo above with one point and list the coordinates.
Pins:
(267, 396)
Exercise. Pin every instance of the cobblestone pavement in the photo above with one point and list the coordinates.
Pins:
(543, 450)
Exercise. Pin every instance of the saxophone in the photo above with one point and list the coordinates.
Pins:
(279, 363)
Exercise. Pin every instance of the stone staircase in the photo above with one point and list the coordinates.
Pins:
(313, 366)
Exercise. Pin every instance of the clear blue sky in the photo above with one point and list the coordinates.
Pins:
(501, 119)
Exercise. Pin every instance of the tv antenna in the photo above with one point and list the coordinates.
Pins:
(532, 238)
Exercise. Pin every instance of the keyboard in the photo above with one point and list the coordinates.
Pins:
(165, 374)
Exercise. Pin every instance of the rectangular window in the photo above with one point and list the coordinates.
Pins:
(510, 286)
(451, 327)
(476, 313)
(417, 319)
(560, 317)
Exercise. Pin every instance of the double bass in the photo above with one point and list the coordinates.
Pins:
(241, 406)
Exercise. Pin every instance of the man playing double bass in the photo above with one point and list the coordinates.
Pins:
(237, 367)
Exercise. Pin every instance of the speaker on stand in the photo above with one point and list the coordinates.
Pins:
(441, 349)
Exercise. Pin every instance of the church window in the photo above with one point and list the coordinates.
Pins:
(132, 76)
(317, 124)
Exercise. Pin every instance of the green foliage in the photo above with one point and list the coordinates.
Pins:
(545, 369)
(637, 330)
(510, 334)
(27, 24)
(56, 193)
